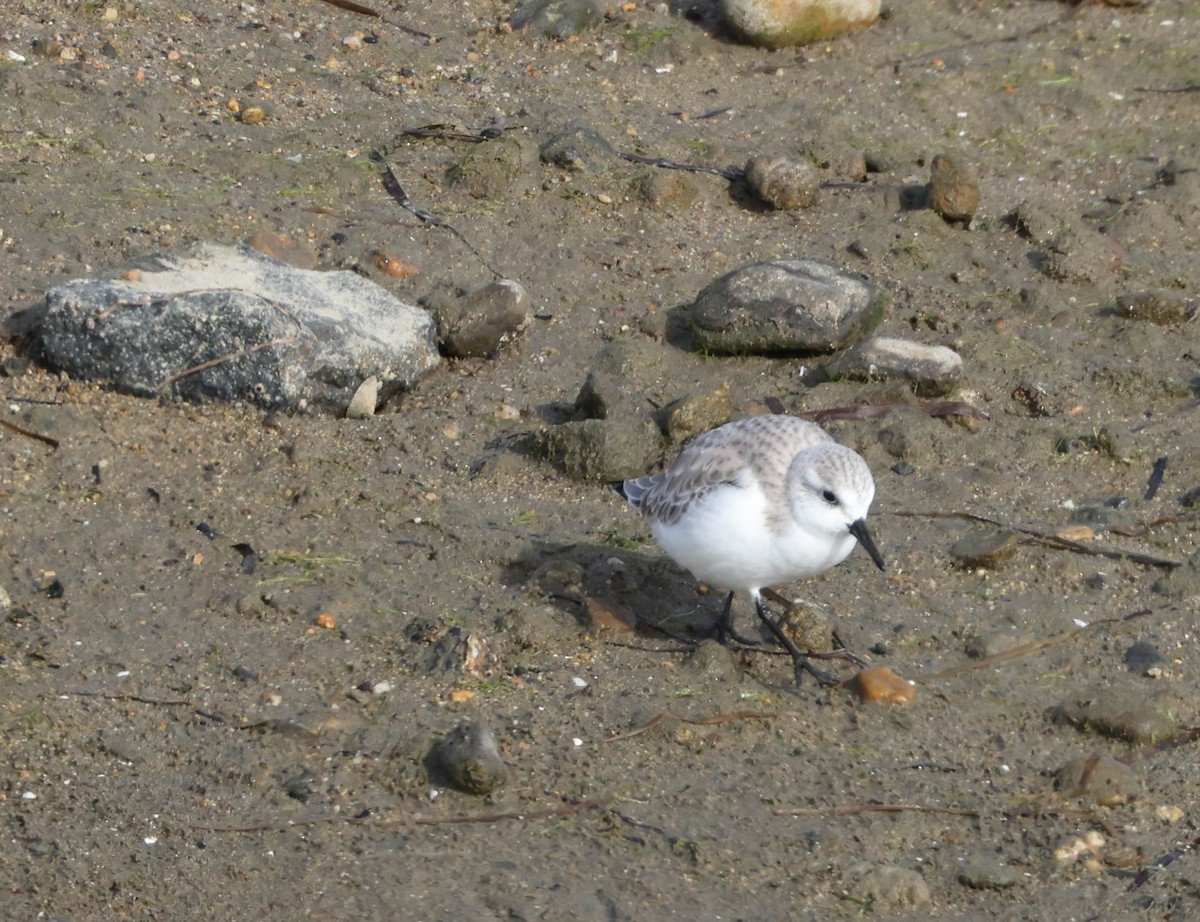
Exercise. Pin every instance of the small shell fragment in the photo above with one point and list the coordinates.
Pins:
(881, 684)
(362, 404)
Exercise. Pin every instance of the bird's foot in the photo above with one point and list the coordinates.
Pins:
(801, 661)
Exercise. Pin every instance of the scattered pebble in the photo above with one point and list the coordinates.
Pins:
(1100, 778)
(1143, 657)
(888, 886)
(476, 325)
(987, 873)
(1123, 714)
(604, 616)
(393, 265)
(880, 684)
(984, 549)
(604, 450)
(578, 149)
(497, 168)
(779, 23)
(782, 182)
(786, 305)
(1160, 307)
(557, 19)
(668, 189)
(953, 189)
(469, 758)
(932, 370)
(689, 416)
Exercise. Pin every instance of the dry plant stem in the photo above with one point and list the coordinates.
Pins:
(353, 7)
(29, 433)
(222, 359)
(984, 42)
(700, 721)
(1031, 647)
(1047, 539)
(370, 822)
(934, 408)
(391, 183)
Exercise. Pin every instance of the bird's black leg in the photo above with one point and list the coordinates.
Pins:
(725, 628)
(801, 661)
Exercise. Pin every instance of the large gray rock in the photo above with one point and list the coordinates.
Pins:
(228, 323)
(786, 305)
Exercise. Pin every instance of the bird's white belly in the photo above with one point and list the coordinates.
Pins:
(726, 539)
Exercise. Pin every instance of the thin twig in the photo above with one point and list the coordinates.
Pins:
(222, 359)
(567, 810)
(29, 433)
(699, 721)
(1031, 647)
(984, 42)
(391, 183)
(353, 7)
(1048, 539)
(934, 408)
(729, 172)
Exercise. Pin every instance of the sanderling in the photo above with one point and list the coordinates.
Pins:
(757, 503)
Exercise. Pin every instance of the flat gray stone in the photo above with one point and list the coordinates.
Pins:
(932, 370)
(557, 19)
(786, 306)
(218, 322)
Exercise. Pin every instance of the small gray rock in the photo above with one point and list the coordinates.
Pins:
(468, 758)
(988, 874)
(933, 370)
(953, 189)
(1184, 581)
(601, 397)
(496, 168)
(604, 450)
(579, 149)
(889, 886)
(1163, 308)
(1120, 714)
(783, 183)
(772, 24)
(1143, 656)
(1099, 778)
(984, 549)
(477, 324)
(228, 323)
(557, 19)
(786, 305)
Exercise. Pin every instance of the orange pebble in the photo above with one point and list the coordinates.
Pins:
(881, 684)
(459, 695)
(396, 268)
(326, 621)
(1076, 533)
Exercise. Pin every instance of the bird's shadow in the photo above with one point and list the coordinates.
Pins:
(644, 590)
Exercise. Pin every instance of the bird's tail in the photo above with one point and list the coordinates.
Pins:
(632, 491)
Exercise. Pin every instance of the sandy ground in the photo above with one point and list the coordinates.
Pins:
(183, 738)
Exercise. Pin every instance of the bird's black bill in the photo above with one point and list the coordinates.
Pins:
(859, 530)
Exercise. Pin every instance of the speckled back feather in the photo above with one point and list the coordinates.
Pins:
(765, 444)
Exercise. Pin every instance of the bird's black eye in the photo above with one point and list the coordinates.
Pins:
(830, 497)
